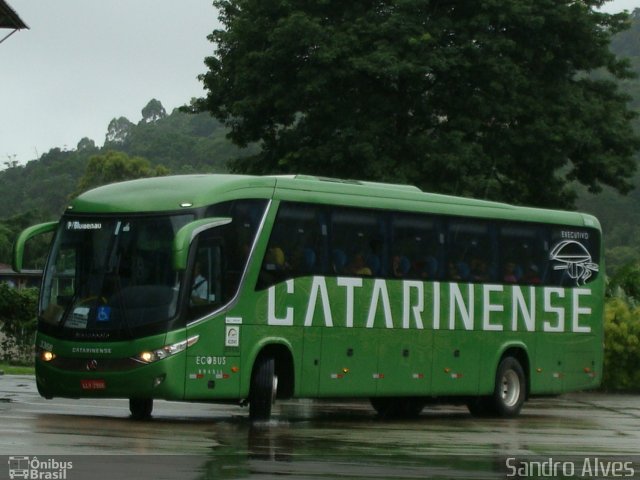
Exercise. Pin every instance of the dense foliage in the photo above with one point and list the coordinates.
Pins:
(487, 99)
(622, 344)
(17, 322)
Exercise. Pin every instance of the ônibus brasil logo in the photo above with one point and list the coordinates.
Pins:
(33, 468)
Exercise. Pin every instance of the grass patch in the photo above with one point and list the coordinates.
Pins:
(10, 369)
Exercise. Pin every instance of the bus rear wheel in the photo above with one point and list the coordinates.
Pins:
(140, 408)
(263, 390)
(508, 395)
(511, 388)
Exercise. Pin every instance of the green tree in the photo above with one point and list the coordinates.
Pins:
(86, 144)
(153, 111)
(118, 131)
(112, 167)
(483, 98)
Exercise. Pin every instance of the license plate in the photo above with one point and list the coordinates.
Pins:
(93, 384)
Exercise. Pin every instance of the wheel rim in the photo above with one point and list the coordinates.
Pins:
(510, 391)
(274, 390)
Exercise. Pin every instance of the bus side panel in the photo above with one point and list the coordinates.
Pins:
(349, 362)
(311, 359)
(404, 362)
(456, 360)
(211, 363)
(581, 363)
(546, 365)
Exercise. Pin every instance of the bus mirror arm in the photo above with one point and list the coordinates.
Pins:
(185, 236)
(26, 235)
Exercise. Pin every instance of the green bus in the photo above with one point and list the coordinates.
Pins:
(230, 288)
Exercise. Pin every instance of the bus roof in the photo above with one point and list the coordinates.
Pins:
(182, 192)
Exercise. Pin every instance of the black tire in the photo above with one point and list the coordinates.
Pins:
(509, 392)
(397, 407)
(141, 408)
(264, 386)
(510, 388)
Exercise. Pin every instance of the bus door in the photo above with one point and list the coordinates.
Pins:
(212, 284)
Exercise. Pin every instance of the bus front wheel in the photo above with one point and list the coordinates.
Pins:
(140, 408)
(263, 390)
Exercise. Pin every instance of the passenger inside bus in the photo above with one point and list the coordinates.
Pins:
(358, 266)
(200, 288)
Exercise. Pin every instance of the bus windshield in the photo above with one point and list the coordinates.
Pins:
(108, 276)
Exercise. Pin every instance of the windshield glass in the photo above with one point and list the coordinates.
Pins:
(108, 274)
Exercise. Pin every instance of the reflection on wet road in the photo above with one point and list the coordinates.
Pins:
(308, 439)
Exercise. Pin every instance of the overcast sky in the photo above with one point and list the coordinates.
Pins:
(82, 63)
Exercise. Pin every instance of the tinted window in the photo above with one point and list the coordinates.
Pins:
(416, 248)
(470, 256)
(524, 250)
(357, 242)
(221, 255)
(298, 244)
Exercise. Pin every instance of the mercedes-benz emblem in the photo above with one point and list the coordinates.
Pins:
(92, 365)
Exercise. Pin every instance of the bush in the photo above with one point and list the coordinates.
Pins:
(627, 278)
(17, 322)
(622, 344)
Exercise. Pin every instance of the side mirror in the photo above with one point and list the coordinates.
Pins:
(186, 234)
(26, 235)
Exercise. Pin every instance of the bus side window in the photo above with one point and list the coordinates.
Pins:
(358, 242)
(207, 290)
(246, 214)
(62, 286)
(297, 245)
(415, 247)
(470, 252)
(523, 249)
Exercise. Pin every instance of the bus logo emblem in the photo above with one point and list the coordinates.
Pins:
(92, 365)
(575, 259)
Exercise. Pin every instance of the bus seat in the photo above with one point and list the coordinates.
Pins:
(430, 269)
(339, 260)
(373, 262)
(463, 270)
(404, 265)
(308, 259)
(518, 272)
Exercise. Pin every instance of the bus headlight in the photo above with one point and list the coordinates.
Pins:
(166, 351)
(47, 356)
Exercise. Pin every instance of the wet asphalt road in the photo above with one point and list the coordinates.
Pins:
(312, 440)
